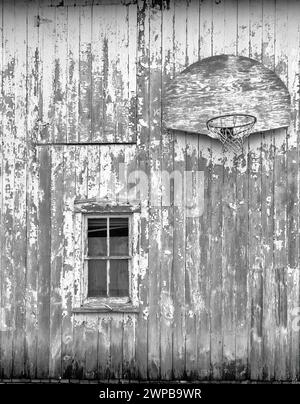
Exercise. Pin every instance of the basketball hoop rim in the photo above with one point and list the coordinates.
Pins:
(231, 115)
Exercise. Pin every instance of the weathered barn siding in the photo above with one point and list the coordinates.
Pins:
(83, 90)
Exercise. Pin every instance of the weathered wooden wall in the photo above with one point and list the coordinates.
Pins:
(216, 292)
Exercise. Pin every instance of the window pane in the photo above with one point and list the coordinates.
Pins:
(97, 278)
(118, 236)
(97, 231)
(119, 282)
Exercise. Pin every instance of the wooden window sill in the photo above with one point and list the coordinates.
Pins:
(106, 309)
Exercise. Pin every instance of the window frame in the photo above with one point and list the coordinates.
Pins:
(99, 208)
(106, 300)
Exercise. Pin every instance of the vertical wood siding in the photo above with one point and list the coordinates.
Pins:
(217, 292)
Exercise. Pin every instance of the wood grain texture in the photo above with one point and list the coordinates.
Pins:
(57, 253)
(2, 313)
(222, 85)
(267, 208)
(155, 193)
(205, 165)
(179, 212)
(32, 196)
(215, 295)
(293, 190)
(143, 72)
(255, 262)
(167, 307)
(44, 263)
(280, 206)
(242, 219)
(20, 244)
(8, 194)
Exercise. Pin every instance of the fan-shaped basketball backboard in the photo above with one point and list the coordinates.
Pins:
(222, 85)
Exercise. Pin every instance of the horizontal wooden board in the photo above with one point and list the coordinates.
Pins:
(226, 84)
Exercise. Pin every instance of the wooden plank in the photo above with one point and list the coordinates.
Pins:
(206, 29)
(241, 265)
(193, 299)
(192, 197)
(98, 71)
(203, 327)
(256, 29)
(129, 366)
(106, 185)
(114, 172)
(57, 253)
(60, 75)
(231, 27)
(242, 316)
(255, 228)
(113, 72)
(93, 171)
(155, 193)
(193, 30)
(178, 280)
(229, 210)
(268, 34)
(205, 164)
(254, 257)
(243, 28)
(2, 310)
(57, 193)
(131, 104)
(267, 217)
(104, 337)
(121, 72)
(143, 73)
(91, 340)
(32, 194)
(218, 28)
(92, 320)
(229, 266)
(79, 320)
(110, 52)
(8, 179)
(267, 207)
(280, 206)
(77, 270)
(215, 266)
(79, 346)
(47, 54)
(44, 262)
(178, 285)
(67, 276)
(72, 265)
(20, 207)
(129, 341)
(167, 308)
(280, 258)
(85, 74)
(217, 233)
(73, 75)
(293, 189)
(116, 346)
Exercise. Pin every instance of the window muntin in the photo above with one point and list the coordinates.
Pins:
(108, 256)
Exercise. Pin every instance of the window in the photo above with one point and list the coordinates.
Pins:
(106, 259)
(108, 256)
